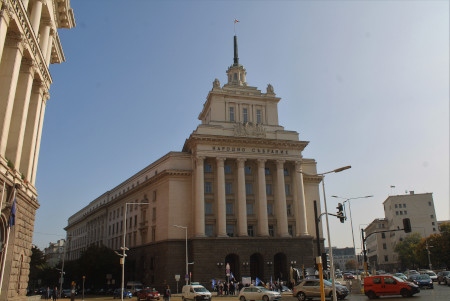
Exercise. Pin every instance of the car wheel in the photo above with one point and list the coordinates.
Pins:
(301, 296)
(265, 298)
(405, 293)
(371, 295)
(242, 298)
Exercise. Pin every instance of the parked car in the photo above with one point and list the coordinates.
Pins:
(258, 293)
(66, 293)
(310, 288)
(441, 277)
(126, 293)
(421, 280)
(148, 294)
(385, 285)
(348, 276)
(432, 274)
(195, 292)
(401, 276)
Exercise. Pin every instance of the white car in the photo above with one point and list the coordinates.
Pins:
(258, 293)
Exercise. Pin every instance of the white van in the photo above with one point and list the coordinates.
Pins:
(195, 292)
(134, 287)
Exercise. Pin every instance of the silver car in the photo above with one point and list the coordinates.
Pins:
(258, 293)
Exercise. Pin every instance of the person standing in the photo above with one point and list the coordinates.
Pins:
(167, 293)
(55, 293)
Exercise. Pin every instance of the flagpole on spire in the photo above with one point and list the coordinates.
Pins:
(235, 21)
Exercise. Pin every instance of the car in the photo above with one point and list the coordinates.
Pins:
(386, 285)
(432, 274)
(401, 276)
(258, 293)
(126, 293)
(285, 290)
(441, 277)
(195, 292)
(67, 293)
(148, 294)
(421, 280)
(348, 276)
(310, 288)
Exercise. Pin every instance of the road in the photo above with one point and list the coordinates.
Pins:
(439, 293)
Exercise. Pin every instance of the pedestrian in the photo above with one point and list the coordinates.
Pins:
(55, 293)
(48, 294)
(167, 293)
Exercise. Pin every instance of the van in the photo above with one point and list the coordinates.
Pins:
(387, 285)
(195, 292)
(134, 287)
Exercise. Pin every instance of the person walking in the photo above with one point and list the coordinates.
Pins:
(167, 293)
(55, 293)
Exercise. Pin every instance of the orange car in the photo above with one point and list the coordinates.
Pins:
(387, 285)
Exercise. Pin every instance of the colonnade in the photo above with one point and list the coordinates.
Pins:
(299, 207)
(25, 56)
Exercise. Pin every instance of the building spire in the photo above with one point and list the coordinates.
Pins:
(236, 72)
(236, 57)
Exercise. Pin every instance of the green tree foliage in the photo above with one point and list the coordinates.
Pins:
(407, 251)
(439, 248)
(37, 267)
(350, 265)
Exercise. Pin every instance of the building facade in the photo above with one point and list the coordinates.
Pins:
(239, 193)
(419, 208)
(54, 252)
(29, 43)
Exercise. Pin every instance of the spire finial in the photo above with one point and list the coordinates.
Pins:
(236, 57)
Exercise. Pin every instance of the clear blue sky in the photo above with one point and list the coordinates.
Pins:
(366, 82)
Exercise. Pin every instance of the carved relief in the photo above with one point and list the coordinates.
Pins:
(249, 129)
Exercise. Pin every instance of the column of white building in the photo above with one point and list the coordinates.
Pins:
(299, 209)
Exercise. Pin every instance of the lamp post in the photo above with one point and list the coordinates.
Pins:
(187, 272)
(322, 175)
(351, 220)
(124, 248)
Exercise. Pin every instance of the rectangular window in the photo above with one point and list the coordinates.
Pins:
(287, 189)
(401, 212)
(232, 114)
(228, 169)
(267, 171)
(432, 216)
(208, 208)
(135, 220)
(290, 230)
(248, 188)
(396, 212)
(384, 247)
(208, 168)
(153, 234)
(250, 231)
(383, 235)
(269, 189)
(286, 171)
(405, 212)
(209, 230)
(269, 209)
(230, 230)
(245, 115)
(208, 187)
(229, 208)
(249, 208)
(248, 170)
(271, 231)
(258, 116)
(154, 213)
(289, 209)
(395, 205)
(228, 188)
(386, 258)
(429, 203)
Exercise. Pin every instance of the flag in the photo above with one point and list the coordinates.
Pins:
(271, 280)
(231, 275)
(257, 281)
(213, 283)
(12, 216)
(236, 21)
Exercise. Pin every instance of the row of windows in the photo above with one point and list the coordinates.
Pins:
(209, 230)
(245, 115)
(400, 205)
(401, 212)
(249, 207)
(208, 168)
(248, 188)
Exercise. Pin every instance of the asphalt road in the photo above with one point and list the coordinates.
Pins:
(439, 293)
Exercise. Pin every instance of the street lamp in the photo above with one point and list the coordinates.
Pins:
(186, 277)
(351, 220)
(124, 248)
(322, 175)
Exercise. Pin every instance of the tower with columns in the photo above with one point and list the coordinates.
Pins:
(29, 43)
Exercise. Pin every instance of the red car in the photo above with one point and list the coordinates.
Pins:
(348, 276)
(148, 294)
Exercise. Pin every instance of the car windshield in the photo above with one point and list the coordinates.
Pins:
(327, 283)
(423, 277)
(398, 279)
(200, 289)
(262, 288)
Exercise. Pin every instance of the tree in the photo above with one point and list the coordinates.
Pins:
(351, 265)
(407, 250)
(37, 267)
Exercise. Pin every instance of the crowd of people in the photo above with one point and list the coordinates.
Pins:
(233, 287)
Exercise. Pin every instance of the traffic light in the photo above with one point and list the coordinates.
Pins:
(324, 261)
(340, 213)
(406, 225)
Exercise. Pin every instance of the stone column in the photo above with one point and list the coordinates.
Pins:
(35, 18)
(263, 224)
(44, 34)
(9, 74)
(221, 200)
(301, 226)
(241, 198)
(20, 113)
(280, 201)
(199, 212)
(4, 23)
(45, 97)
(48, 53)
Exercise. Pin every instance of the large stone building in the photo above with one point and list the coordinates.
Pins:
(29, 43)
(239, 193)
(419, 208)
